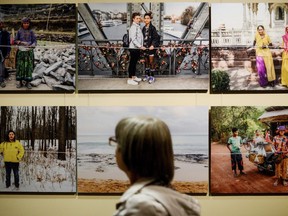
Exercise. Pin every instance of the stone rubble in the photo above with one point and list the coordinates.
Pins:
(55, 67)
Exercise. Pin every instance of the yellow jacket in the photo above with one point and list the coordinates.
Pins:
(12, 151)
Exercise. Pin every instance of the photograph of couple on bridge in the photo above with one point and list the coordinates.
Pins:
(135, 47)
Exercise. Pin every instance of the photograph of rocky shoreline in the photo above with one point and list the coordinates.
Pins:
(54, 64)
(97, 168)
(109, 179)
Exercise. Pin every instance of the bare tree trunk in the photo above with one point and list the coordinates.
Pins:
(19, 122)
(69, 128)
(49, 125)
(3, 123)
(54, 126)
(27, 129)
(33, 126)
(44, 136)
(62, 133)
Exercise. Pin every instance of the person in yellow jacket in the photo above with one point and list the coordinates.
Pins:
(13, 152)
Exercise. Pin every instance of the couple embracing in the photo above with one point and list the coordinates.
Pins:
(147, 40)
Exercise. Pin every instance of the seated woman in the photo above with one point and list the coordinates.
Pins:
(144, 152)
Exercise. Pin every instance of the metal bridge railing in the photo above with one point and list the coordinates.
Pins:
(110, 58)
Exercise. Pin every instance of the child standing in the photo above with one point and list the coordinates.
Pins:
(234, 144)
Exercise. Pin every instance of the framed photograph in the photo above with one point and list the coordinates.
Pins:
(248, 150)
(98, 172)
(37, 48)
(38, 149)
(249, 48)
(171, 53)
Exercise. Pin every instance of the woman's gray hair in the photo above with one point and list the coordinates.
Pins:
(145, 144)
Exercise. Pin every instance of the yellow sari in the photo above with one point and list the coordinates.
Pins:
(266, 54)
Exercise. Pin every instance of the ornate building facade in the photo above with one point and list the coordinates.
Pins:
(273, 16)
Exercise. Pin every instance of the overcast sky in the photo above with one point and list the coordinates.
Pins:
(173, 8)
(181, 120)
(231, 14)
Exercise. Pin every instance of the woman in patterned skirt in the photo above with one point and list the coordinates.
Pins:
(26, 40)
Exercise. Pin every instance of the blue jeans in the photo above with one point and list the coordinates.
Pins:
(9, 166)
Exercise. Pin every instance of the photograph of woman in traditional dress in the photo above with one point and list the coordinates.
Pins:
(42, 50)
(246, 51)
(264, 60)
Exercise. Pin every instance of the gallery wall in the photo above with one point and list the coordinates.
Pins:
(44, 205)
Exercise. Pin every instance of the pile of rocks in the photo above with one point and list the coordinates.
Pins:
(55, 66)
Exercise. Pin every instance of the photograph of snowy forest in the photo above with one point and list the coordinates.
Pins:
(42, 155)
(97, 170)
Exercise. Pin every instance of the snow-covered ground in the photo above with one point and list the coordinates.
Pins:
(43, 174)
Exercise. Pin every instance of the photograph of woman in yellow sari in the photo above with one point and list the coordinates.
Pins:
(264, 60)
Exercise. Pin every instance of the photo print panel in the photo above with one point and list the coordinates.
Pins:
(248, 150)
(97, 169)
(171, 55)
(249, 52)
(37, 48)
(38, 149)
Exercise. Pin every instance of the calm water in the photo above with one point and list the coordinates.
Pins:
(197, 144)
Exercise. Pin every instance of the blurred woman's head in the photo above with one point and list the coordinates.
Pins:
(145, 149)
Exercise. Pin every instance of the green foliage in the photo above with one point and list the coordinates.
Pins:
(223, 119)
(220, 81)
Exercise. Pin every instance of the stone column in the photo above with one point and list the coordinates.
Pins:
(245, 26)
(271, 14)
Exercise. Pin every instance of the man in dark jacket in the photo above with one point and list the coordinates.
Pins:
(4, 51)
(151, 42)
